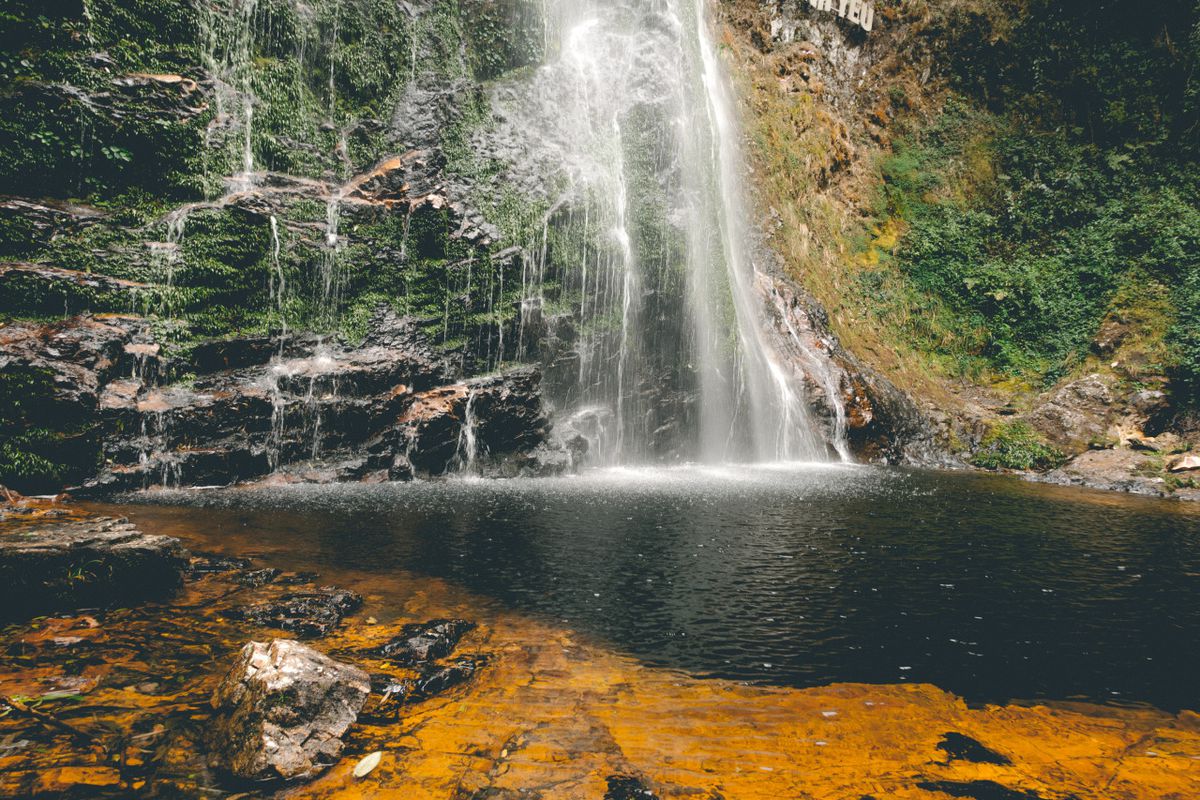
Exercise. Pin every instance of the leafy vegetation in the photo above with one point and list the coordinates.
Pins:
(42, 443)
(112, 105)
(1015, 445)
(1062, 172)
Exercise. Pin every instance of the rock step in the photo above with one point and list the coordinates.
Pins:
(52, 565)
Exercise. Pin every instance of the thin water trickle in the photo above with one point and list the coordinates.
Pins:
(278, 288)
(227, 37)
(166, 256)
(468, 441)
(329, 301)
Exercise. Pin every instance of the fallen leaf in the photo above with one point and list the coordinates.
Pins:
(368, 764)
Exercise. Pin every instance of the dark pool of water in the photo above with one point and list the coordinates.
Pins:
(992, 588)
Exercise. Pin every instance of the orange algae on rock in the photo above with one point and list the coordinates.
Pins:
(548, 714)
(557, 718)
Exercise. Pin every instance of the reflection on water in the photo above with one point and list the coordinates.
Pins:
(801, 575)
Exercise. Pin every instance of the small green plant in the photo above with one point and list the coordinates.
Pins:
(1015, 445)
(82, 573)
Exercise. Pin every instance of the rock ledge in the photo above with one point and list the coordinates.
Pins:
(53, 564)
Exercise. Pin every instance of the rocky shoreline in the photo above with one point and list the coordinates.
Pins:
(277, 712)
(115, 409)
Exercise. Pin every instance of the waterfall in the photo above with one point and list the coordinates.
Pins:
(330, 279)
(633, 131)
(278, 287)
(165, 257)
(468, 441)
(227, 54)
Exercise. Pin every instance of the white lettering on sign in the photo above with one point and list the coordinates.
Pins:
(859, 12)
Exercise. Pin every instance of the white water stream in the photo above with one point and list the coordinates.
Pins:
(633, 119)
(631, 126)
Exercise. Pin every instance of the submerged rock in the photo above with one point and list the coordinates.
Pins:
(433, 680)
(282, 710)
(310, 615)
(627, 787)
(210, 564)
(441, 679)
(422, 642)
(51, 565)
(963, 748)
(256, 579)
(982, 790)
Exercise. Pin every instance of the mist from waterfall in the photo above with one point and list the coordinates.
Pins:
(632, 127)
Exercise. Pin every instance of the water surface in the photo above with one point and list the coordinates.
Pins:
(989, 587)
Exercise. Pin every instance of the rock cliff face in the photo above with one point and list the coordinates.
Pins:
(880, 157)
(301, 407)
(292, 237)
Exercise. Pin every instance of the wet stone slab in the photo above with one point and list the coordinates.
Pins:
(51, 563)
(306, 614)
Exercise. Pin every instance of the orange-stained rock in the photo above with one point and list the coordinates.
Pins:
(551, 714)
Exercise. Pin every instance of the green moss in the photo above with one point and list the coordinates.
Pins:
(1184, 340)
(66, 126)
(503, 35)
(1024, 239)
(44, 443)
(323, 74)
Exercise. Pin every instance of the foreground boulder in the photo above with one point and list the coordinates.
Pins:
(55, 564)
(282, 710)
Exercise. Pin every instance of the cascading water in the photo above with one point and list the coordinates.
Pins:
(468, 440)
(227, 52)
(648, 243)
(329, 282)
(165, 257)
(637, 284)
(278, 287)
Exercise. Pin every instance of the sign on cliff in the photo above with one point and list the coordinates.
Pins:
(859, 12)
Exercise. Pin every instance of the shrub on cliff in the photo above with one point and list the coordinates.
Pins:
(1015, 445)
(1059, 173)
(1185, 342)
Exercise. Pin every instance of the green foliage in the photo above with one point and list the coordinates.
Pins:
(67, 127)
(327, 78)
(504, 35)
(43, 443)
(1120, 72)
(1184, 340)
(1031, 204)
(1015, 445)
